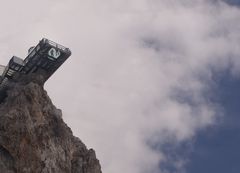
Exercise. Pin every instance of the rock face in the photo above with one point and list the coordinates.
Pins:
(33, 136)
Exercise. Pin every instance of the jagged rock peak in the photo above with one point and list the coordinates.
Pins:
(34, 138)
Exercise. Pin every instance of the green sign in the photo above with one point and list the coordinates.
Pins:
(54, 53)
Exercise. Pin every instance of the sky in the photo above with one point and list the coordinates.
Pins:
(152, 85)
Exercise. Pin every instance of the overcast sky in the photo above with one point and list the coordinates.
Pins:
(143, 86)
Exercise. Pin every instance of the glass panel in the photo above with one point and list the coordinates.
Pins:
(38, 47)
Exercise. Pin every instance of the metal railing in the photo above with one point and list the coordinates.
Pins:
(56, 45)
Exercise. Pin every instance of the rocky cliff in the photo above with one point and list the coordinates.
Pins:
(33, 136)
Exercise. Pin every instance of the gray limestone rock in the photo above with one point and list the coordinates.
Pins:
(34, 138)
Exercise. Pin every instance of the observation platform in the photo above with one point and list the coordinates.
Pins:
(47, 56)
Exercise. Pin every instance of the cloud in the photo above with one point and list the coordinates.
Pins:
(139, 72)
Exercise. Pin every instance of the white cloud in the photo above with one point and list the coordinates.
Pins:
(132, 63)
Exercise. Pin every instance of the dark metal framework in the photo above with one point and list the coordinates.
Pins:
(47, 56)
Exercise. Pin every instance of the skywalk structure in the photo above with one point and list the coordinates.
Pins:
(47, 56)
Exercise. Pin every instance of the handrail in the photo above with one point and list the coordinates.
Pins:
(56, 44)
